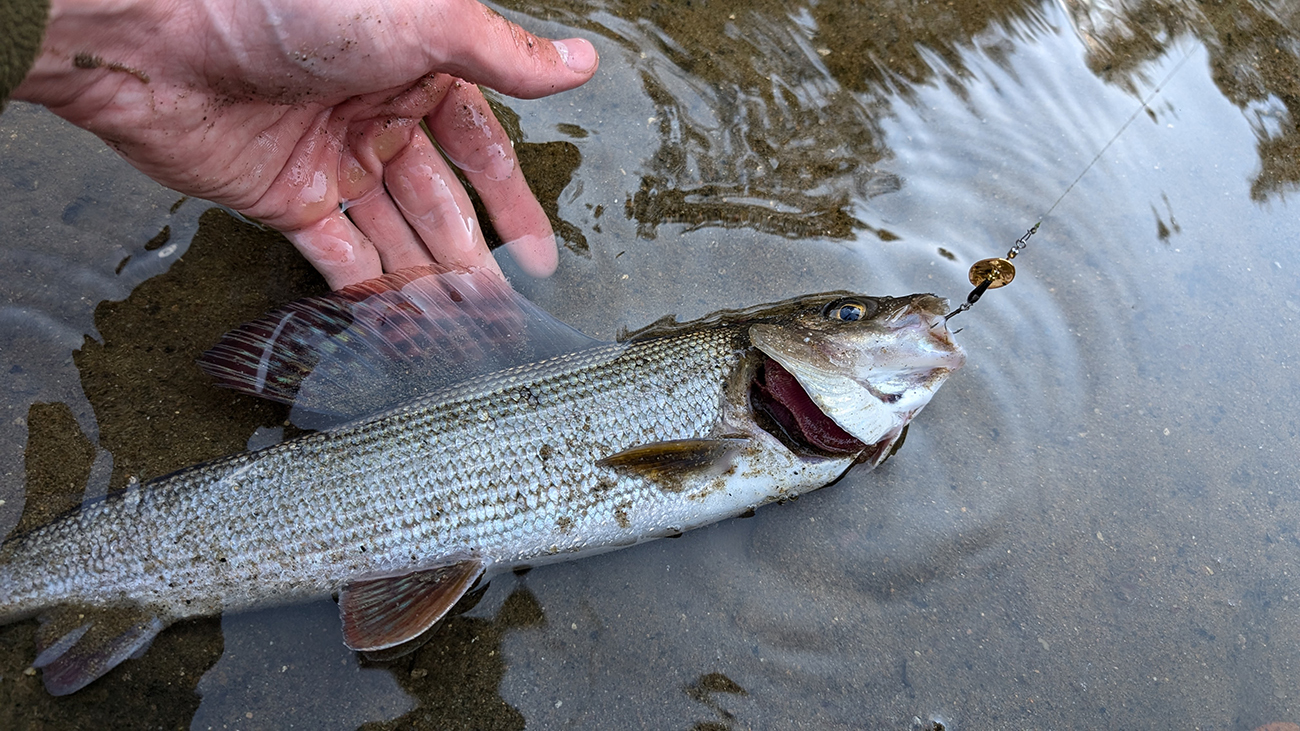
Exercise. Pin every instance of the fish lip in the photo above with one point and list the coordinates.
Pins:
(928, 305)
(931, 319)
(926, 317)
(946, 356)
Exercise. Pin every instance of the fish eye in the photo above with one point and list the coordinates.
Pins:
(850, 310)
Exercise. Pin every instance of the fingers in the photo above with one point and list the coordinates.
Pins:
(338, 250)
(365, 200)
(405, 203)
(487, 49)
(379, 219)
(472, 138)
(434, 204)
(303, 202)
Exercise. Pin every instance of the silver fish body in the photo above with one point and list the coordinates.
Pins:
(569, 456)
(503, 468)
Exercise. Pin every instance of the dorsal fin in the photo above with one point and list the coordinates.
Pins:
(772, 312)
(376, 344)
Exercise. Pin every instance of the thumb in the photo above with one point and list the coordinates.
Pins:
(485, 48)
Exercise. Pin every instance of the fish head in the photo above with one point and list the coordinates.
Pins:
(843, 373)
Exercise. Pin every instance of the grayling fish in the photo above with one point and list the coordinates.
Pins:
(425, 479)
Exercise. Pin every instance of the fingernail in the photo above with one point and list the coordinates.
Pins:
(578, 54)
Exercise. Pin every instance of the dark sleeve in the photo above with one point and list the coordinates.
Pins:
(23, 24)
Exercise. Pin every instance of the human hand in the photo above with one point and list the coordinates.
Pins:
(305, 115)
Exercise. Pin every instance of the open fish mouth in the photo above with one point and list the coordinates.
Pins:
(836, 389)
(783, 409)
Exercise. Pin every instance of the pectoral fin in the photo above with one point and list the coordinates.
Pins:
(77, 644)
(386, 612)
(668, 463)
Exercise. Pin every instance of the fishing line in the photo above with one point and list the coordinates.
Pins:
(997, 272)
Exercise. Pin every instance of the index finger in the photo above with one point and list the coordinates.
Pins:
(473, 139)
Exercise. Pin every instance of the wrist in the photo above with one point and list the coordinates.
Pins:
(90, 44)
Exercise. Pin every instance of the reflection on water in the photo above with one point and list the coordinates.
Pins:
(1093, 525)
(1254, 59)
(755, 131)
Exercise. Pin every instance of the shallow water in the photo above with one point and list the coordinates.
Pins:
(1094, 525)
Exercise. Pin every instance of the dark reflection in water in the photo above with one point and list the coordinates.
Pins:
(1254, 49)
(1093, 526)
(716, 691)
(768, 115)
(757, 129)
(58, 460)
(455, 675)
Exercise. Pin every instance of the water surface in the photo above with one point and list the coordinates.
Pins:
(1094, 525)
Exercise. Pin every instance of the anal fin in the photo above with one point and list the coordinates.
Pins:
(388, 611)
(77, 644)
